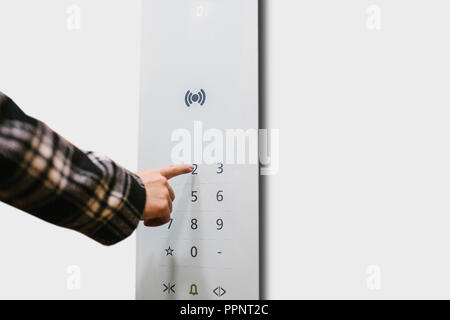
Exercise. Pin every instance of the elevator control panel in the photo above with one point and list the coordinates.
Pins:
(199, 105)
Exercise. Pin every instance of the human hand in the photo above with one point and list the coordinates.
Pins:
(160, 194)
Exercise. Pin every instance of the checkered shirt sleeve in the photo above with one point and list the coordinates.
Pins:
(45, 175)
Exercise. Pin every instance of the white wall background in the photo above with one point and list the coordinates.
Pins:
(359, 208)
(84, 84)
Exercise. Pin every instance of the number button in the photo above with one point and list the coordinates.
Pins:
(194, 224)
(194, 196)
(194, 252)
(219, 223)
(219, 195)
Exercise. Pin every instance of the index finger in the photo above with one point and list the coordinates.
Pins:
(175, 170)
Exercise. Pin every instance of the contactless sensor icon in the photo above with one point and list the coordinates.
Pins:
(191, 98)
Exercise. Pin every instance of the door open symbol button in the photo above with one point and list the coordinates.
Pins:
(219, 291)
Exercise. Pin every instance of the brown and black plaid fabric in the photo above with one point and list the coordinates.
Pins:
(48, 177)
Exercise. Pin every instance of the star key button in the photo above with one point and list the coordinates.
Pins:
(169, 251)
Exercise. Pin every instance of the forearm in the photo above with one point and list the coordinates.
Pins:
(45, 175)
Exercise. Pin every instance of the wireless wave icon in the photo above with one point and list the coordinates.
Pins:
(191, 98)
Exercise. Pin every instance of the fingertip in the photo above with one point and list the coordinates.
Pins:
(175, 170)
(186, 168)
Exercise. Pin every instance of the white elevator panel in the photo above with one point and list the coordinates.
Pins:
(199, 99)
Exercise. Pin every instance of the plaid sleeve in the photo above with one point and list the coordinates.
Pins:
(45, 175)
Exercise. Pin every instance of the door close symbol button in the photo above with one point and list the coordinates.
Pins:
(169, 288)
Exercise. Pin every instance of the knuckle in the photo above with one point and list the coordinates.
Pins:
(165, 215)
(161, 206)
(163, 179)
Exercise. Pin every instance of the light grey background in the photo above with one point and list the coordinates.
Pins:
(363, 115)
(84, 84)
(364, 165)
